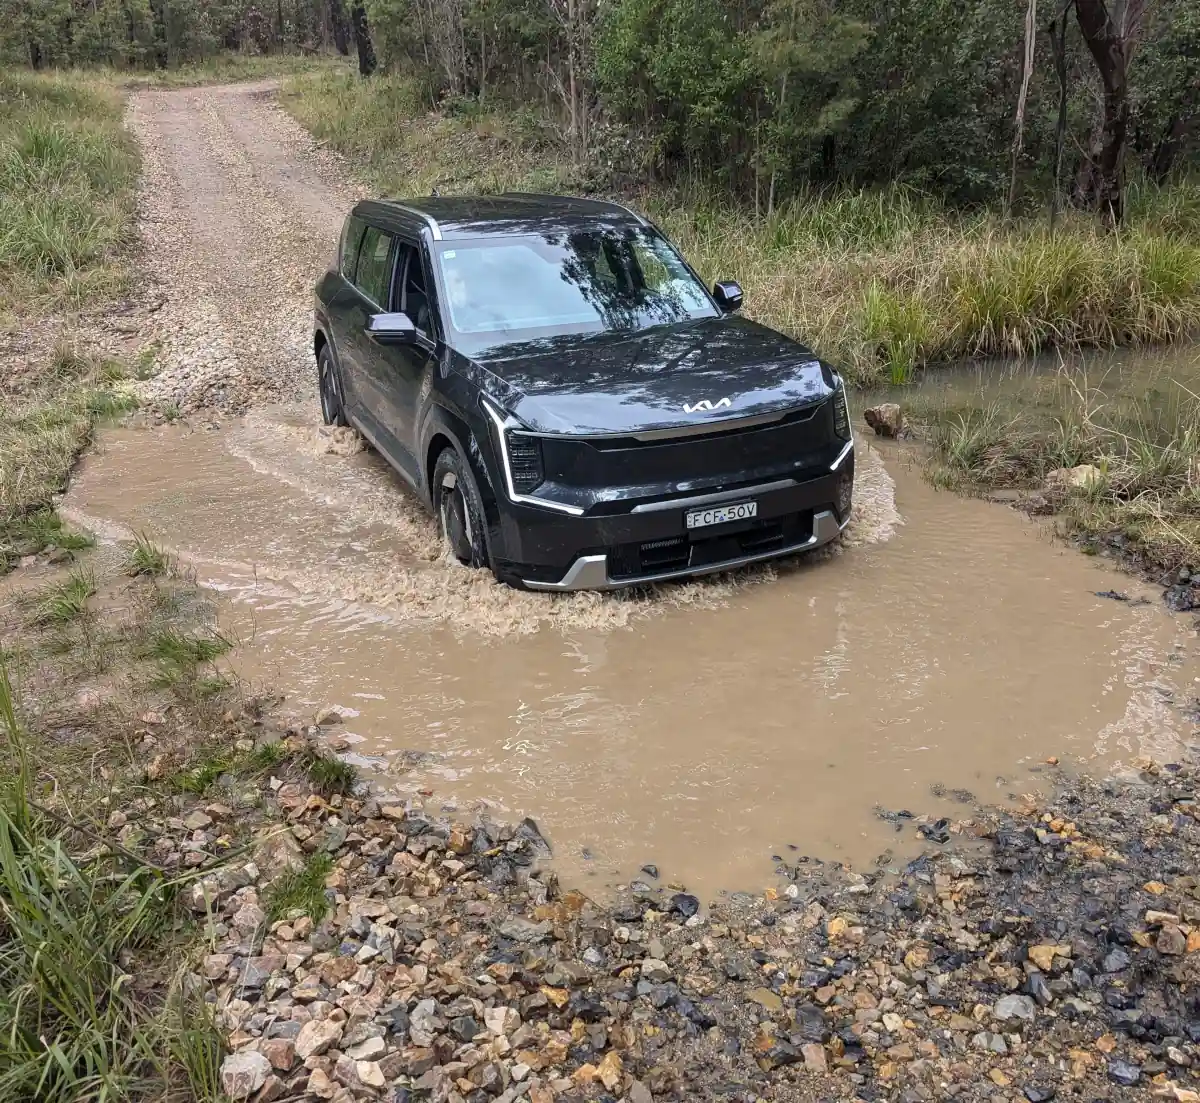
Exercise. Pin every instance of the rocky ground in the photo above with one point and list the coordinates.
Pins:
(1041, 953)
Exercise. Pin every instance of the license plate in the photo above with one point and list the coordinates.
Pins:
(720, 515)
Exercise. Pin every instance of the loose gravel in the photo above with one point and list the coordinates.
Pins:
(239, 213)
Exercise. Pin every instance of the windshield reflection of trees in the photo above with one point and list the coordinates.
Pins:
(621, 296)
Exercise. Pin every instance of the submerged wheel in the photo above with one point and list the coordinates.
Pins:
(333, 412)
(459, 510)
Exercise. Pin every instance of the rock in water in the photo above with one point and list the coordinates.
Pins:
(1084, 477)
(685, 904)
(242, 1074)
(530, 831)
(886, 419)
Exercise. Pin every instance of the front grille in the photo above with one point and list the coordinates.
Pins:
(757, 537)
(797, 440)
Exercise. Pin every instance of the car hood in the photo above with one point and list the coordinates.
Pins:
(683, 375)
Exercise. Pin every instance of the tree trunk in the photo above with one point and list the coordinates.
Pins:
(36, 61)
(1026, 74)
(279, 23)
(1110, 44)
(337, 24)
(1167, 149)
(367, 63)
(1058, 44)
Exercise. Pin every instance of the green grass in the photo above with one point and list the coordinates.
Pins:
(225, 68)
(146, 559)
(80, 1021)
(203, 770)
(177, 657)
(67, 171)
(328, 774)
(65, 601)
(881, 283)
(301, 890)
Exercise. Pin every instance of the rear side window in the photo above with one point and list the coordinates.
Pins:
(352, 234)
(374, 273)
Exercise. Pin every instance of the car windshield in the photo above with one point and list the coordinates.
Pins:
(504, 290)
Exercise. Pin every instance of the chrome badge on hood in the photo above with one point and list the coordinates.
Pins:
(705, 404)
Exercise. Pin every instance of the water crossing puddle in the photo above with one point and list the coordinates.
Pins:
(702, 727)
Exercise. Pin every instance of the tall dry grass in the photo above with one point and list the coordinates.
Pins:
(1145, 449)
(881, 283)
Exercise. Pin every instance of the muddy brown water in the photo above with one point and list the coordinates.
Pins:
(702, 727)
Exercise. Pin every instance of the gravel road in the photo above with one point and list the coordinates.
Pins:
(239, 211)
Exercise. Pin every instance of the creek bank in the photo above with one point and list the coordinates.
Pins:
(1048, 952)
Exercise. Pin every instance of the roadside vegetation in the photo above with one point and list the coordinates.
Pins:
(881, 282)
(105, 760)
(67, 176)
(1132, 439)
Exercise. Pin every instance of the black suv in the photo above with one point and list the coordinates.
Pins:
(565, 394)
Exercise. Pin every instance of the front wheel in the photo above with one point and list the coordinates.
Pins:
(333, 410)
(459, 509)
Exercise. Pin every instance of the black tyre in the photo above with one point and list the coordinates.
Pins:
(333, 411)
(458, 508)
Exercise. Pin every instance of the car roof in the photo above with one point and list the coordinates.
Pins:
(458, 216)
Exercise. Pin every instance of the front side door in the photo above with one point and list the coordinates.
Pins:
(407, 364)
(370, 362)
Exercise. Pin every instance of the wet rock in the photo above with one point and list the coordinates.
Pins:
(936, 832)
(1039, 1093)
(1084, 477)
(684, 904)
(650, 870)
(1181, 599)
(242, 1074)
(887, 419)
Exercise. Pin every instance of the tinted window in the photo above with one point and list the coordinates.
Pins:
(352, 234)
(415, 302)
(374, 275)
(503, 290)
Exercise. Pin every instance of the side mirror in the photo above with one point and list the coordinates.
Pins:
(391, 329)
(728, 295)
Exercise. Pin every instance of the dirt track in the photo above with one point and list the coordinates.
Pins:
(239, 211)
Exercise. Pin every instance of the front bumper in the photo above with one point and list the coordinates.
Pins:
(591, 572)
(651, 543)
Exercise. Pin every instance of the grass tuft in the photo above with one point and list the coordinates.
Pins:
(327, 773)
(65, 601)
(301, 890)
(147, 559)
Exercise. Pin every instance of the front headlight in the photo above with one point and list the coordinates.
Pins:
(841, 413)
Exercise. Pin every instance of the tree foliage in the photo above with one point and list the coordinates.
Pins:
(767, 97)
